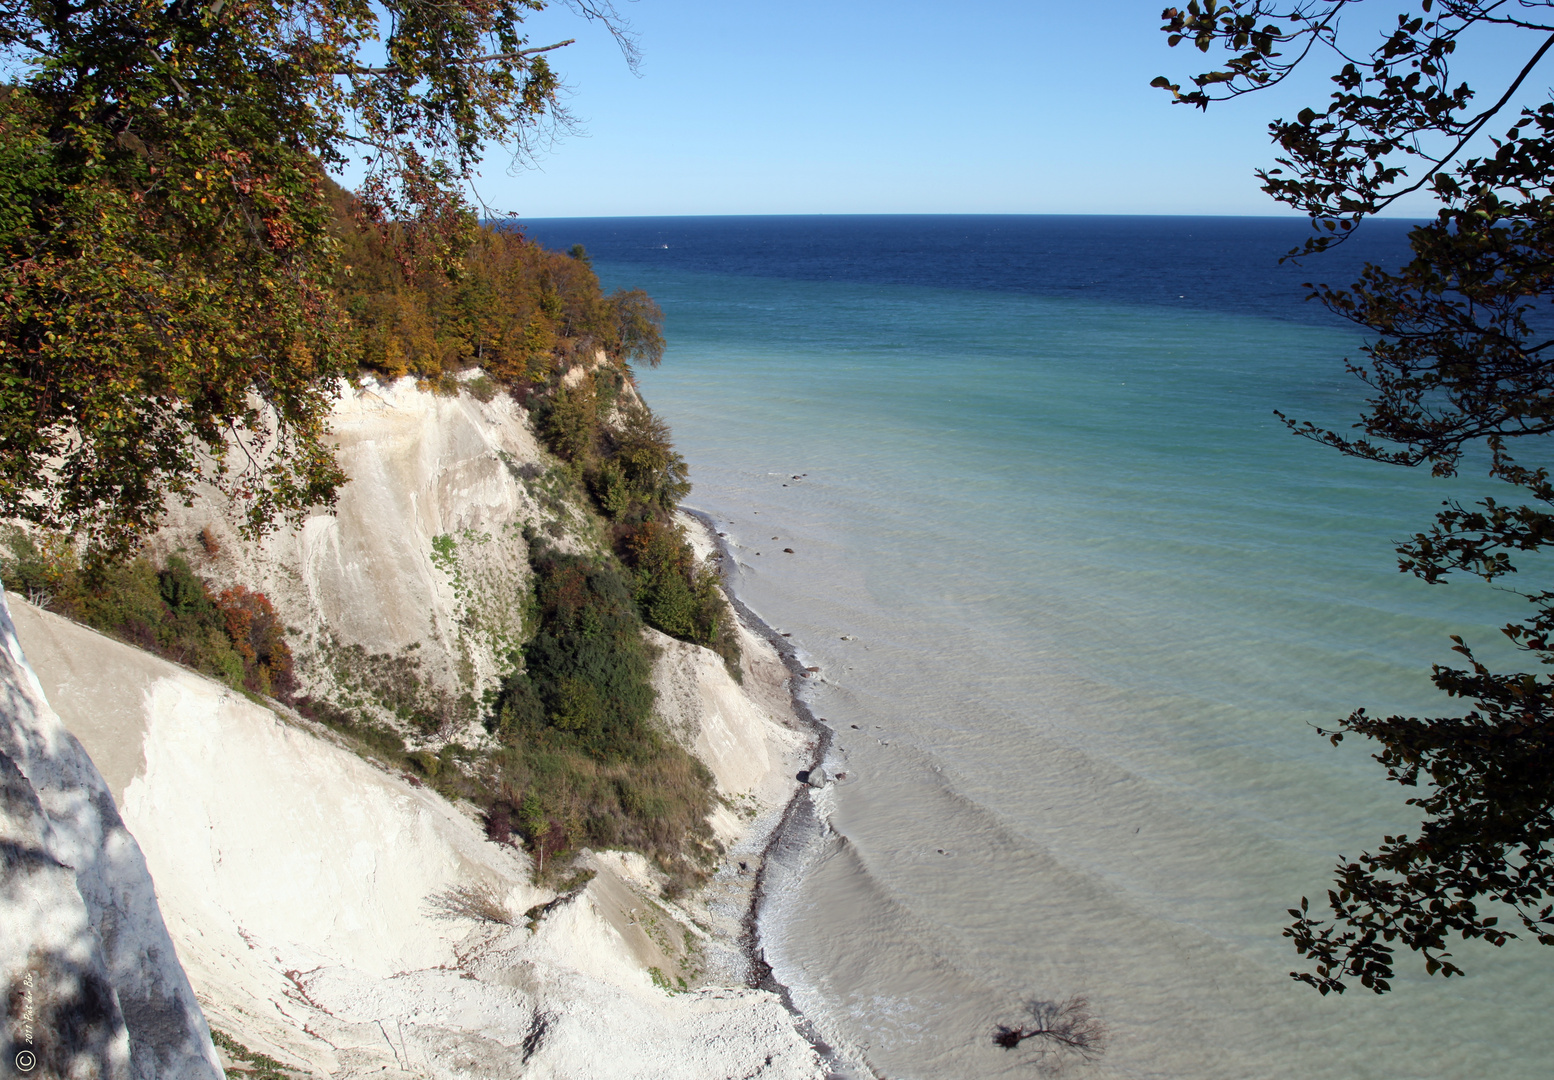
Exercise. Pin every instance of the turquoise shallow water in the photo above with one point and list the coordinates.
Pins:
(1078, 600)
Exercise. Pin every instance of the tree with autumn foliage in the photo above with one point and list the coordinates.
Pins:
(169, 256)
(1459, 369)
(520, 312)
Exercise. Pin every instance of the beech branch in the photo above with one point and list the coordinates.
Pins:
(395, 69)
(1475, 126)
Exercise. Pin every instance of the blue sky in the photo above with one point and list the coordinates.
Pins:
(861, 106)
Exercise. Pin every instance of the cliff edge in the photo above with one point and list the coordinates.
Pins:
(92, 975)
(335, 913)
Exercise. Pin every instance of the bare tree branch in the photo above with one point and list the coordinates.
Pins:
(1062, 1030)
(394, 69)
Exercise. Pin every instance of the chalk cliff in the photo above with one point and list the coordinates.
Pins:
(94, 982)
(346, 920)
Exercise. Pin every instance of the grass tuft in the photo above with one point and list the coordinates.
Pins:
(250, 1062)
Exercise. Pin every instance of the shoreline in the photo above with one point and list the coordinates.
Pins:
(251, 824)
(568, 963)
(798, 807)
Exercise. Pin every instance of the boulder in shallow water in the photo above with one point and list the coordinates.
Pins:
(817, 778)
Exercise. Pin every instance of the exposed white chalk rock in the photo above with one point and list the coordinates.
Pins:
(302, 886)
(308, 891)
(84, 952)
(424, 470)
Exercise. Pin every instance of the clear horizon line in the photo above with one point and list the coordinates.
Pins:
(924, 213)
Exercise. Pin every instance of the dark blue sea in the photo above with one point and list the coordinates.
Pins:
(1078, 601)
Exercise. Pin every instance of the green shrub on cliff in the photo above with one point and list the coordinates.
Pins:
(528, 316)
(635, 478)
(234, 635)
(676, 594)
(576, 722)
(588, 666)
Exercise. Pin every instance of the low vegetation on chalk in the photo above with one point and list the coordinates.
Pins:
(582, 761)
(578, 759)
(535, 322)
(660, 980)
(480, 902)
(231, 634)
(250, 1063)
(385, 684)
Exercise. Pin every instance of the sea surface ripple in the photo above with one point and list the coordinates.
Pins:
(1078, 601)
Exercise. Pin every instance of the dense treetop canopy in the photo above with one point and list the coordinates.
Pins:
(1459, 369)
(169, 249)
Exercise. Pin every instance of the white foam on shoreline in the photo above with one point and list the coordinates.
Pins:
(1023, 825)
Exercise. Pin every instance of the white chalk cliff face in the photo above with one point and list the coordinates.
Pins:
(93, 982)
(349, 922)
(423, 557)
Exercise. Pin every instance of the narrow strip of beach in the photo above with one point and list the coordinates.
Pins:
(798, 825)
